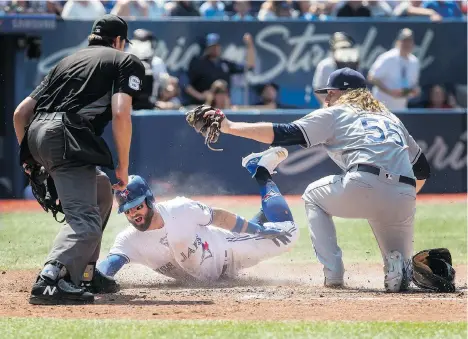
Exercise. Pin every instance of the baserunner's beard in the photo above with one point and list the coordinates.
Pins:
(147, 218)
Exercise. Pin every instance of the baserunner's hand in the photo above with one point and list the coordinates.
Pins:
(121, 174)
(276, 235)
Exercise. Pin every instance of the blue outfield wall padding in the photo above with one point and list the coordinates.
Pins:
(169, 153)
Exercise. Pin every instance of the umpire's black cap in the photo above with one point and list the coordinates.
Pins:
(110, 26)
(343, 79)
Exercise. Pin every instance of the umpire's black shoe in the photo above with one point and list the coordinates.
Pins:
(61, 292)
(101, 284)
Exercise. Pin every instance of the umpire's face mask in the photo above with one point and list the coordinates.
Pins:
(140, 217)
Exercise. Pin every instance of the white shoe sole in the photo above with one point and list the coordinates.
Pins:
(280, 152)
(394, 272)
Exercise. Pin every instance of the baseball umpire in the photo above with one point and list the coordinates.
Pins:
(59, 127)
(383, 168)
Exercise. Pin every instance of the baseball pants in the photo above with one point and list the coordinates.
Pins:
(248, 250)
(85, 194)
(388, 205)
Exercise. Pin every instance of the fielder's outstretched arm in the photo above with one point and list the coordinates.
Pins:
(266, 132)
(259, 131)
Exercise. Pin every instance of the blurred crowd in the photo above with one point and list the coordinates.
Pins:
(394, 76)
(211, 79)
(238, 10)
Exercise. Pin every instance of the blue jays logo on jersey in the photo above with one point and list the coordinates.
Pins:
(191, 250)
(270, 194)
(206, 252)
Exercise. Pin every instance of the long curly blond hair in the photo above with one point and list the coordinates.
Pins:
(363, 99)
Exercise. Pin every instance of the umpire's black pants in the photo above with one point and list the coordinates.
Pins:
(84, 191)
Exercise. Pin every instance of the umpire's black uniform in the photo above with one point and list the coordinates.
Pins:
(73, 107)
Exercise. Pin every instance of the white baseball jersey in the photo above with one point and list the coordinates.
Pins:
(352, 136)
(188, 246)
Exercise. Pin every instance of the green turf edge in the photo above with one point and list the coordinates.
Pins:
(79, 328)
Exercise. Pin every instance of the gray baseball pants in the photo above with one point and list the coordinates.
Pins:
(388, 205)
(85, 193)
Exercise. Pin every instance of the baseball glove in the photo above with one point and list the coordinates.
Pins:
(43, 189)
(209, 127)
(432, 270)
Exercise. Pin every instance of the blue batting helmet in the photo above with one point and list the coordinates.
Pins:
(134, 194)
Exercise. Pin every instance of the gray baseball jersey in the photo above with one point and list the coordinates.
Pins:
(352, 136)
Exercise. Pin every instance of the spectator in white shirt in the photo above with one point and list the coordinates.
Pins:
(379, 8)
(267, 11)
(395, 73)
(139, 9)
(83, 10)
(413, 8)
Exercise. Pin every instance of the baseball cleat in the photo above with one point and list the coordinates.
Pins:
(333, 279)
(61, 292)
(100, 284)
(268, 159)
(398, 275)
(333, 283)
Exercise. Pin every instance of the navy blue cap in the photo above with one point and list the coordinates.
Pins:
(134, 194)
(211, 40)
(343, 79)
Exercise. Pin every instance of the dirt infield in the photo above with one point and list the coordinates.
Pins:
(264, 292)
(282, 293)
(237, 200)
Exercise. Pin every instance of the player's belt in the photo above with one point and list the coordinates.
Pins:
(376, 171)
(49, 116)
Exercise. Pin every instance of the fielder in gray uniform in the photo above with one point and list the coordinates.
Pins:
(383, 166)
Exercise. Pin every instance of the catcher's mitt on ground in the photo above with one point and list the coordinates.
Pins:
(209, 127)
(432, 270)
(43, 189)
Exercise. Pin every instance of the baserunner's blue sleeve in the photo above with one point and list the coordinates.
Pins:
(112, 264)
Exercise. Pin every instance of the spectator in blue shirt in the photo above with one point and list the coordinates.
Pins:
(108, 5)
(212, 9)
(447, 9)
(242, 9)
